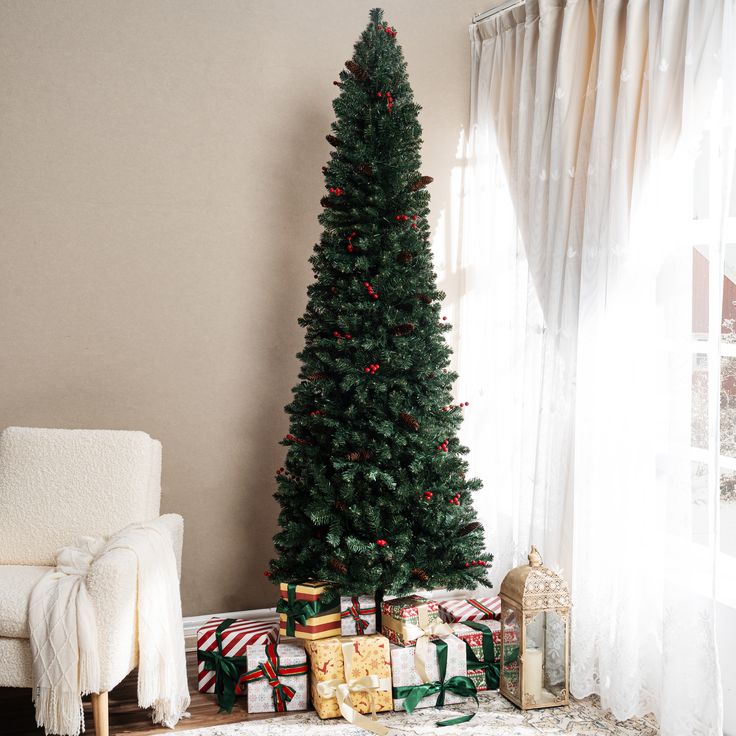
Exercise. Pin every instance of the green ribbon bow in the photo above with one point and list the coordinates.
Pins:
(490, 665)
(299, 611)
(459, 685)
(226, 669)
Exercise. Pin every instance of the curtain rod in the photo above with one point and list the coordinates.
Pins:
(498, 9)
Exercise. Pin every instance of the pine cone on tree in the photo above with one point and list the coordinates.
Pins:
(333, 290)
(364, 169)
(356, 70)
(338, 566)
(470, 528)
(340, 506)
(424, 298)
(409, 421)
(404, 257)
(420, 183)
(333, 141)
(420, 574)
(403, 329)
(327, 203)
(358, 456)
(316, 376)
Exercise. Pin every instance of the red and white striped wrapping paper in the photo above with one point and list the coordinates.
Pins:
(470, 609)
(235, 641)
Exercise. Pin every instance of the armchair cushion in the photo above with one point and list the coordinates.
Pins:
(16, 584)
(57, 485)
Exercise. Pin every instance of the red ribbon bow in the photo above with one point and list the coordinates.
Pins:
(270, 670)
(355, 611)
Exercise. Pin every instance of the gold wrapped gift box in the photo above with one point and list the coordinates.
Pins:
(350, 660)
(326, 623)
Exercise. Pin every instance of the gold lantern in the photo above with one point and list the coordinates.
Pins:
(535, 622)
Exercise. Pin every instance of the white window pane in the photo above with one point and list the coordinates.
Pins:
(728, 407)
(699, 406)
(701, 183)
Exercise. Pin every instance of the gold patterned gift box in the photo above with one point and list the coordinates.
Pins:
(350, 676)
(309, 610)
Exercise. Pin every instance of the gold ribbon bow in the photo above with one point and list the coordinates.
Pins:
(341, 689)
(422, 633)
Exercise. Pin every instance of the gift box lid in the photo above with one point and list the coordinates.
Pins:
(310, 590)
(407, 606)
(238, 635)
(471, 609)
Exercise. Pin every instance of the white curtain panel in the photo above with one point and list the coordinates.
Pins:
(576, 326)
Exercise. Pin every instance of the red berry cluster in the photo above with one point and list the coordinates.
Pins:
(370, 291)
(389, 99)
(455, 500)
(381, 542)
(340, 336)
(315, 413)
(372, 368)
(388, 30)
(442, 447)
(404, 218)
(455, 406)
(350, 246)
(337, 191)
(267, 573)
(473, 563)
(427, 495)
(285, 473)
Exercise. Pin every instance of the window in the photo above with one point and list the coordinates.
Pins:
(713, 437)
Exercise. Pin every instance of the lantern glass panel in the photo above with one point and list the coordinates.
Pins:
(510, 650)
(546, 657)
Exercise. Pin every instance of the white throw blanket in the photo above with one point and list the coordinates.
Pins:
(63, 632)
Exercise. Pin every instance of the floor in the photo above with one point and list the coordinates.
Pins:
(496, 718)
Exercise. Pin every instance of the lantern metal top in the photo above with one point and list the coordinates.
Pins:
(534, 586)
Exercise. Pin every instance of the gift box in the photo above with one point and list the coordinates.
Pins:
(470, 609)
(358, 615)
(411, 691)
(483, 649)
(404, 620)
(276, 678)
(309, 610)
(221, 639)
(350, 676)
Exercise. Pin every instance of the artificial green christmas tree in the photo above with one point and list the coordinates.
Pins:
(374, 495)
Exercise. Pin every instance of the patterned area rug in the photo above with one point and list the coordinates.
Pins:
(496, 717)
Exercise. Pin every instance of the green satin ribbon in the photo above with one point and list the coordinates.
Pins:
(459, 685)
(226, 669)
(297, 612)
(490, 665)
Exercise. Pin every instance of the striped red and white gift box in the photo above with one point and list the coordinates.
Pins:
(235, 641)
(470, 609)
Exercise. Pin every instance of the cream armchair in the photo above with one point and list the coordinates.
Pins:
(56, 486)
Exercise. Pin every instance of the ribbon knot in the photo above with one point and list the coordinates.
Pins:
(355, 611)
(270, 670)
(226, 669)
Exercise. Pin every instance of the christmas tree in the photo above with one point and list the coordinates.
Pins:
(373, 494)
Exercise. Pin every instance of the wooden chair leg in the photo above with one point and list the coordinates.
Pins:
(99, 714)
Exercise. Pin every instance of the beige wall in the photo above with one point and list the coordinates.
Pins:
(159, 191)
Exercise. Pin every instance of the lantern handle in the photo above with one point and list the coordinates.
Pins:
(535, 559)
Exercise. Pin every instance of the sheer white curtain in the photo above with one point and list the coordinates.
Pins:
(576, 322)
